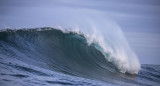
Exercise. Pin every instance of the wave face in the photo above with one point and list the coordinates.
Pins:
(68, 52)
(74, 48)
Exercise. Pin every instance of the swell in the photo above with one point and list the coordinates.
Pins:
(54, 49)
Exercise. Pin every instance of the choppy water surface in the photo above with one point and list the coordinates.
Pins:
(48, 56)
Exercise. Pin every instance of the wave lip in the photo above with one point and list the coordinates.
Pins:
(119, 53)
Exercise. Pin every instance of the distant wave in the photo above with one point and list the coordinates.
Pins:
(71, 52)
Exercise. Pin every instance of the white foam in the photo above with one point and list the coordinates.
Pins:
(120, 54)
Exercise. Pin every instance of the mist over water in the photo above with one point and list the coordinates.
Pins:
(79, 42)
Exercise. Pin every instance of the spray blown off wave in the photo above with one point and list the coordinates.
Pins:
(71, 52)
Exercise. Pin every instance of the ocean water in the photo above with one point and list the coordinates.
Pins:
(53, 56)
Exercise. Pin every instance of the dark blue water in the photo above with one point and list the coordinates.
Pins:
(48, 56)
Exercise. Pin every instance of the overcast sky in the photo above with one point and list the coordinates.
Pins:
(139, 19)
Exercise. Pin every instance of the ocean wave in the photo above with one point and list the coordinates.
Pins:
(69, 51)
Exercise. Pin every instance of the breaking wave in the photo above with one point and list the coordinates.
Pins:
(69, 51)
